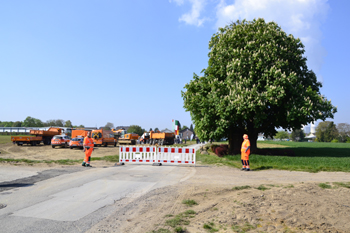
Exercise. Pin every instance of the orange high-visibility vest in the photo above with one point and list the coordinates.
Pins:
(88, 142)
(245, 155)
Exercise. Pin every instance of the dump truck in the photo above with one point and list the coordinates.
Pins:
(103, 137)
(161, 138)
(37, 136)
(125, 138)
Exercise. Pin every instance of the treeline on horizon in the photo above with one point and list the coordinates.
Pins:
(34, 122)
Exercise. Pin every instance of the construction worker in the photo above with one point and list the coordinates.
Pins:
(245, 152)
(88, 148)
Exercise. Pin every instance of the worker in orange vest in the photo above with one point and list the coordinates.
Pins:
(88, 148)
(245, 152)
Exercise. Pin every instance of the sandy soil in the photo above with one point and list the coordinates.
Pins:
(228, 200)
(42, 152)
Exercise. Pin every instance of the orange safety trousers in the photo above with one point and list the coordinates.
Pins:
(88, 153)
(88, 142)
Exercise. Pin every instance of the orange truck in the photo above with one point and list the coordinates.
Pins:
(161, 138)
(37, 137)
(103, 137)
(125, 138)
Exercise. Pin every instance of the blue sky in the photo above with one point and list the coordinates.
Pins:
(126, 62)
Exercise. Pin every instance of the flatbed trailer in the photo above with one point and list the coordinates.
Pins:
(37, 137)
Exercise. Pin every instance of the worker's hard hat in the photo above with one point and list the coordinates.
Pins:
(245, 136)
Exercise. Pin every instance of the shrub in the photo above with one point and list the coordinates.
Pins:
(335, 141)
(221, 150)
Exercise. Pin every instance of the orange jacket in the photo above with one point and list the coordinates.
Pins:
(88, 142)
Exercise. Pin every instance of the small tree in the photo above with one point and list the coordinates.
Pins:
(184, 127)
(109, 126)
(68, 124)
(136, 129)
(281, 135)
(326, 131)
(344, 131)
(156, 129)
(297, 135)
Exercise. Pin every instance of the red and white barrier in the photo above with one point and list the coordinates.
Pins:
(176, 155)
(154, 154)
(137, 154)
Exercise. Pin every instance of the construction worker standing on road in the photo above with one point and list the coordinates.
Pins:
(245, 152)
(88, 148)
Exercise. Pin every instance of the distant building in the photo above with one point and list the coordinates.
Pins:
(166, 131)
(186, 134)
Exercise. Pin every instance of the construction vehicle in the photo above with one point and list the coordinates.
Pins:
(144, 139)
(60, 140)
(103, 137)
(125, 138)
(161, 138)
(79, 133)
(37, 137)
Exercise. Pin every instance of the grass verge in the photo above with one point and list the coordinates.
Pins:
(309, 157)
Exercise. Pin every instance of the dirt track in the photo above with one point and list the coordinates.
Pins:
(293, 201)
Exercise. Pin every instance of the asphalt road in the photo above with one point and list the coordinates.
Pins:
(73, 199)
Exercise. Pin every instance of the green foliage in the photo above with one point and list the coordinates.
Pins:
(161, 230)
(335, 141)
(136, 129)
(241, 187)
(344, 131)
(184, 127)
(326, 131)
(256, 81)
(68, 124)
(109, 126)
(210, 227)
(32, 122)
(189, 202)
(297, 135)
(281, 135)
(262, 188)
(342, 184)
(324, 186)
(245, 228)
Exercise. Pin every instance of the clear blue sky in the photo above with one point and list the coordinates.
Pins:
(126, 62)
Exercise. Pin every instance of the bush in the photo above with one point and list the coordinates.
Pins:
(221, 150)
(335, 141)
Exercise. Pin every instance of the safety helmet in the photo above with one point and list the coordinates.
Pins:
(245, 136)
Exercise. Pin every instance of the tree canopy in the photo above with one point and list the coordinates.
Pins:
(326, 131)
(281, 135)
(297, 135)
(256, 81)
(136, 129)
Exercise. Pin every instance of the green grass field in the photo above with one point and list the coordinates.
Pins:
(309, 156)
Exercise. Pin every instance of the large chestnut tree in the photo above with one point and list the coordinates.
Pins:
(256, 81)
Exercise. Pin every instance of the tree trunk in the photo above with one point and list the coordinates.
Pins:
(235, 139)
(253, 136)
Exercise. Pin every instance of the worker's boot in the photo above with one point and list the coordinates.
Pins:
(243, 169)
(83, 164)
(247, 169)
(88, 165)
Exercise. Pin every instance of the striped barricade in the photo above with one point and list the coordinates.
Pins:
(176, 155)
(137, 154)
